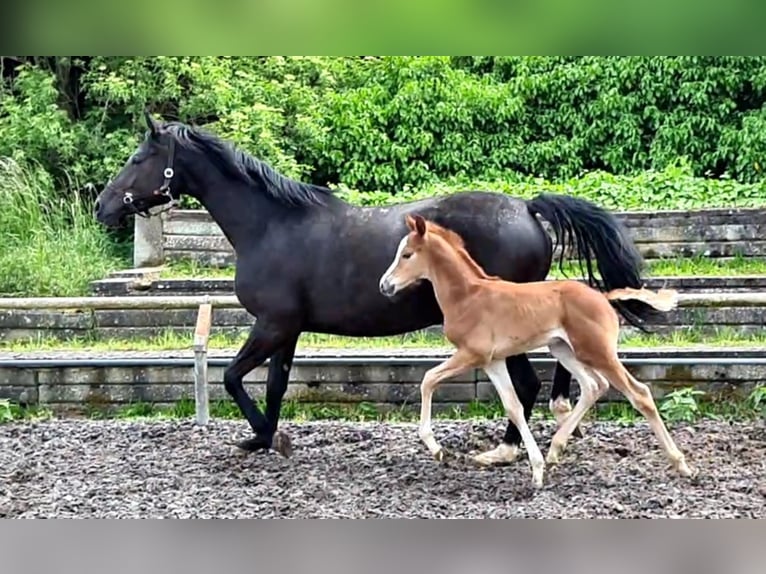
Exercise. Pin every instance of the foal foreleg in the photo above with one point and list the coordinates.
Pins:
(498, 374)
(456, 364)
(527, 385)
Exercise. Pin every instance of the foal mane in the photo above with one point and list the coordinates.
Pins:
(458, 245)
(245, 168)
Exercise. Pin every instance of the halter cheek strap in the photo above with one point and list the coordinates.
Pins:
(164, 189)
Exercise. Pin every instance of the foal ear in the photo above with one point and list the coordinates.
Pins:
(420, 225)
(416, 223)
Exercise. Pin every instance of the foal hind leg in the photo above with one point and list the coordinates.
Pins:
(641, 398)
(498, 374)
(559, 404)
(591, 388)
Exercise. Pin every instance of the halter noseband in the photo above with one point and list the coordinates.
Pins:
(164, 189)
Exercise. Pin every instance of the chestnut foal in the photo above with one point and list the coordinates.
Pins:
(488, 319)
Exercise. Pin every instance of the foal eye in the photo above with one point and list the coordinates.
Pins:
(406, 255)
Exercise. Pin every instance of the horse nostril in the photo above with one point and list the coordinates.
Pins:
(386, 289)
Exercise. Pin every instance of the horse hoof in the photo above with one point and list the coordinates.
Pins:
(282, 444)
(249, 445)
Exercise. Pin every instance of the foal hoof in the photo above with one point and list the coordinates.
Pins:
(282, 444)
(444, 455)
(683, 469)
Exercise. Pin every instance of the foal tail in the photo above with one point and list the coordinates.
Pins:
(662, 300)
(590, 231)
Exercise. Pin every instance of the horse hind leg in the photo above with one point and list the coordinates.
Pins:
(641, 398)
(591, 388)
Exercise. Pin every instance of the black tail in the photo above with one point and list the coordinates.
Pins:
(591, 231)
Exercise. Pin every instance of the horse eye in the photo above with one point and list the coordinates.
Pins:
(406, 255)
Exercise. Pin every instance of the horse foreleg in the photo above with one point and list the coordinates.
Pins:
(280, 364)
(259, 346)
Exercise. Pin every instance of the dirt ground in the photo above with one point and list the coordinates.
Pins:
(172, 469)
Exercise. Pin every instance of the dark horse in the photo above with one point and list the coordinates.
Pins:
(308, 261)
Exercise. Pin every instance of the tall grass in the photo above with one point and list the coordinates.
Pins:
(50, 244)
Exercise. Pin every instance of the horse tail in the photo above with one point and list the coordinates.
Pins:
(590, 231)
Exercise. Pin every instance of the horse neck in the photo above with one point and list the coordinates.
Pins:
(241, 212)
(452, 276)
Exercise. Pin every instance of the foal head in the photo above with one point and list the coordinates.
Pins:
(410, 264)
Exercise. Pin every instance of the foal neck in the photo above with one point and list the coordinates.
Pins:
(452, 271)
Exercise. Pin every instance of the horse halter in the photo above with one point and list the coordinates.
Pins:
(164, 189)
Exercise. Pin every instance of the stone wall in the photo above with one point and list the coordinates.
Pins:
(122, 324)
(142, 323)
(192, 234)
(383, 384)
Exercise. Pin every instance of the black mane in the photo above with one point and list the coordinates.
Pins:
(244, 167)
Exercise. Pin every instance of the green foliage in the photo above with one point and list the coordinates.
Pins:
(6, 412)
(756, 400)
(626, 133)
(681, 405)
(675, 187)
(386, 123)
(52, 246)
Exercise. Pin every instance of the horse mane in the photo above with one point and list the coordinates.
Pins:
(456, 242)
(245, 168)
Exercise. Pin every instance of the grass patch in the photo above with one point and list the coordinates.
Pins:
(170, 341)
(684, 405)
(51, 246)
(680, 267)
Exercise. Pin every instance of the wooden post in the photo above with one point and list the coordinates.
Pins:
(201, 336)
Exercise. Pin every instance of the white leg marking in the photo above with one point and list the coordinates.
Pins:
(560, 408)
(590, 391)
(502, 453)
(453, 366)
(425, 431)
(498, 374)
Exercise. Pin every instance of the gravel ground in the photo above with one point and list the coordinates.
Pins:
(172, 469)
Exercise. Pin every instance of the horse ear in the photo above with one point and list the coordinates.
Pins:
(150, 123)
(410, 221)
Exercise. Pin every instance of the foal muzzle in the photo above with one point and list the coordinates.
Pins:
(387, 288)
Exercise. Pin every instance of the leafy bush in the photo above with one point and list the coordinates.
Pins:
(383, 123)
(52, 246)
(675, 187)
(626, 133)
